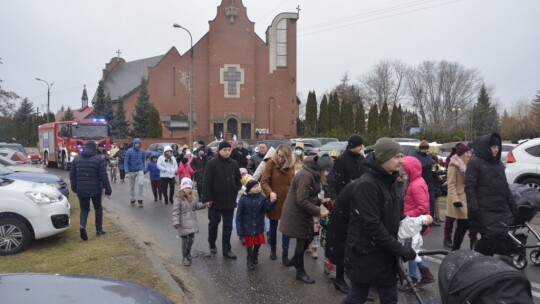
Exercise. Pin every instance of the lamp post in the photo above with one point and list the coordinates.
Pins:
(176, 25)
(456, 111)
(48, 96)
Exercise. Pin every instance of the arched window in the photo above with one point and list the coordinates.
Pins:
(281, 44)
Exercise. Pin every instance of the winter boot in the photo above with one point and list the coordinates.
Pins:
(273, 253)
(427, 277)
(140, 203)
(302, 276)
(186, 261)
(255, 255)
(285, 259)
(250, 264)
(448, 227)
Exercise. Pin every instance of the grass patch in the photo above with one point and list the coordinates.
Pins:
(113, 255)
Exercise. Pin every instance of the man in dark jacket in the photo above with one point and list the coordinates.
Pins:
(348, 166)
(88, 177)
(427, 166)
(371, 248)
(240, 154)
(220, 188)
(491, 207)
(257, 158)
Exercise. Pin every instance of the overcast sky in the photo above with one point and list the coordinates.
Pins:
(68, 42)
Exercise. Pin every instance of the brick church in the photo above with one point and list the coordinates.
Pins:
(243, 85)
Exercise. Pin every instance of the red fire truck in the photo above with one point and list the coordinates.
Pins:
(60, 142)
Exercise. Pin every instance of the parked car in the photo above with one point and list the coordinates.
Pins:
(313, 142)
(18, 167)
(523, 164)
(33, 154)
(408, 147)
(506, 147)
(42, 178)
(325, 140)
(29, 211)
(270, 142)
(338, 146)
(14, 155)
(404, 140)
(74, 288)
(14, 146)
(156, 149)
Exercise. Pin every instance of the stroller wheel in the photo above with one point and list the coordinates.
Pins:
(519, 260)
(535, 257)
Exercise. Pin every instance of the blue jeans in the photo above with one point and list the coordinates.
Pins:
(358, 294)
(412, 263)
(84, 203)
(272, 237)
(214, 218)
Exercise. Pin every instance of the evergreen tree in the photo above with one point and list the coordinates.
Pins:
(154, 123)
(373, 124)
(347, 116)
(142, 111)
(119, 125)
(68, 115)
(99, 105)
(311, 114)
(324, 118)
(395, 121)
(108, 110)
(535, 115)
(62, 109)
(333, 110)
(360, 119)
(24, 119)
(485, 118)
(384, 128)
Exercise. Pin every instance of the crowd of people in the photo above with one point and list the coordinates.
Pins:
(367, 212)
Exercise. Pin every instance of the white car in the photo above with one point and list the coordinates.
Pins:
(523, 164)
(29, 211)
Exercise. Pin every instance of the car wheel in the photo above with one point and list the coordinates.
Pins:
(532, 182)
(46, 161)
(14, 236)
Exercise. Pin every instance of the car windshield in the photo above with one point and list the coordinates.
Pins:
(5, 171)
(336, 145)
(32, 150)
(89, 131)
(6, 161)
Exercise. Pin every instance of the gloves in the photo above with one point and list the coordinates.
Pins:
(458, 204)
(407, 254)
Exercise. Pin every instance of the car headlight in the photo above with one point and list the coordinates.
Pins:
(73, 154)
(54, 185)
(42, 198)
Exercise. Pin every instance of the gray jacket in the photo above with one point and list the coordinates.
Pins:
(184, 215)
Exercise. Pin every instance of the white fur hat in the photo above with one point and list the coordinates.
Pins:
(186, 183)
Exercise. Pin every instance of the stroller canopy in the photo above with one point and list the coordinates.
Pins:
(528, 201)
(469, 277)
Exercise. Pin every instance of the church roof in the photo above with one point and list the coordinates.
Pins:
(127, 76)
(78, 114)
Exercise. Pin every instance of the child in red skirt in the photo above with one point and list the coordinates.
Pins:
(250, 220)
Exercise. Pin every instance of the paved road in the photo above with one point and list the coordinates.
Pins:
(217, 280)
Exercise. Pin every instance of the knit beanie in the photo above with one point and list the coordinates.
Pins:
(201, 142)
(461, 149)
(224, 144)
(386, 148)
(186, 183)
(494, 141)
(424, 144)
(252, 183)
(354, 141)
(91, 145)
(325, 162)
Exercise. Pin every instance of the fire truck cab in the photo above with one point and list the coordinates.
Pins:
(60, 142)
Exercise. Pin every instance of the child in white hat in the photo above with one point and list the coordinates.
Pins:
(184, 217)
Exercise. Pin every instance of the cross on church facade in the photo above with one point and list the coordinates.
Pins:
(232, 76)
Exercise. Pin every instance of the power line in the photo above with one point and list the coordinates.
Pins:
(375, 19)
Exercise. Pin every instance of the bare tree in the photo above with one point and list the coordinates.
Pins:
(384, 83)
(442, 92)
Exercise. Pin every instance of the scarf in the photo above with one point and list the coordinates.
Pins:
(458, 163)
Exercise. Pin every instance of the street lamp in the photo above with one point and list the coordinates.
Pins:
(48, 96)
(176, 25)
(456, 110)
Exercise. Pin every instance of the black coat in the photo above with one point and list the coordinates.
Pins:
(250, 214)
(240, 156)
(372, 248)
(198, 164)
(347, 167)
(489, 200)
(221, 183)
(338, 223)
(88, 174)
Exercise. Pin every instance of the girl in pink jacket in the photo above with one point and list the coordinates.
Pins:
(184, 169)
(416, 203)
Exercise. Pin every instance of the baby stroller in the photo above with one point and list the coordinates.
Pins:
(528, 202)
(470, 277)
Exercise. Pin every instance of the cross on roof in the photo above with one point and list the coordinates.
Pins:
(118, 53)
